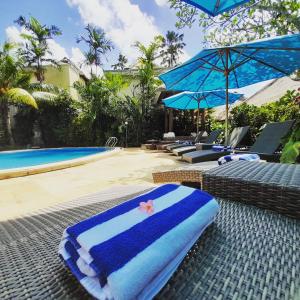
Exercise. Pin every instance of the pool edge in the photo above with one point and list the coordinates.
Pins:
(26, 171)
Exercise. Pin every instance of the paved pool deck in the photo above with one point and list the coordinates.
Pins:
(22, 195)
(130, 167)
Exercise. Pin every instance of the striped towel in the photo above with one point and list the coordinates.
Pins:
(233, 157)
(131, 250)
(221, 148)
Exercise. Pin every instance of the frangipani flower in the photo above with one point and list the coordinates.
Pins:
(147, 207)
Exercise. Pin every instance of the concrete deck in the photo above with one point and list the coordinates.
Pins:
(22, 195)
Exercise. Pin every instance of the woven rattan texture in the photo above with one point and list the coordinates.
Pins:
(267, 185)
(248, 253)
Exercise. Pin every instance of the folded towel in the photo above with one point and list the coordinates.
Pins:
(233, 157)
(131, 250)
(221, 148)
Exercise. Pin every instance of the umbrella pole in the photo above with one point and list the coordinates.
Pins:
(227, 98)
(198, 115)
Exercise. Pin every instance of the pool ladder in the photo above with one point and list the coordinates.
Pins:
(111, 142)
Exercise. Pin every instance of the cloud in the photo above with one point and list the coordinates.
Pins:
(13, 35)
(162, 2)
(123, 22)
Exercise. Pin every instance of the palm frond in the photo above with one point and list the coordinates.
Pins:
(44, 96)
(21, 96)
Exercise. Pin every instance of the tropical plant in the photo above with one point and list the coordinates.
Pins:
(291, 150)
(98, 105)
(14, 81)
(121, 64)
(147, 81)
(251, 21)
(172, 45)
(36, 51)
(98, 46)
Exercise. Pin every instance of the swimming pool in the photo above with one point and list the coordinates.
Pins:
(31, 158)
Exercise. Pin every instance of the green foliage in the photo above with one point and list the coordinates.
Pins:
(36, 51)
(121, 64)
(291, 150)
(251, 21)
(98, 45)
(172, 46)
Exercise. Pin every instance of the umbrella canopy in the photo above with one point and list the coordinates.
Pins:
(215, 7)
(236, 66)
(199, 100)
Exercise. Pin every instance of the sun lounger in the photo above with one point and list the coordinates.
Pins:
(179, 144)
(271, 186)
(209, 142)
(247, 252)
(270, 140)
(235, 138)
(114, 255)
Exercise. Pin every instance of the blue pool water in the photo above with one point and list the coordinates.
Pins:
(19, 159)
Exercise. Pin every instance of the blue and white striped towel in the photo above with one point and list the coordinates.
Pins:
(125, 253)
(234, 157)
(221, 148)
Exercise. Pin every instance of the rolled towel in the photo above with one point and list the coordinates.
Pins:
(131, 250)
(233, 157)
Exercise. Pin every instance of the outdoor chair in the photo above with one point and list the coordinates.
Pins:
(247, 253)
(272, 186)
(235, 139)
(208, 143)
(183, 143)
(270, 139)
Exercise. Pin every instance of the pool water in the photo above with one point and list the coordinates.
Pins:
(27, 158)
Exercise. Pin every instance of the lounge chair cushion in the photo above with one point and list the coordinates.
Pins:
(234, 157)
(131, 250)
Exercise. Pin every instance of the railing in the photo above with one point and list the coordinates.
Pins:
(111, 142)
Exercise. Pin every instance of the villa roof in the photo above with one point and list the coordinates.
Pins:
(271, 92)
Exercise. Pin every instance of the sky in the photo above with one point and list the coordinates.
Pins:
(124, 21)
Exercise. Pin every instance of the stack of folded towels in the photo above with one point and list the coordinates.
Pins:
(131, 250)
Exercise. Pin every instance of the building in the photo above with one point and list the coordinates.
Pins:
(64, 76)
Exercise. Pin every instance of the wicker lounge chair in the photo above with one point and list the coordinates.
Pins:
(235, 139)
(248, 253)
(270, 139)
(271, 186)
(209, 142)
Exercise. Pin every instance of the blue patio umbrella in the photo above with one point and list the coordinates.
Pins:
(236, 66)
(199, 100)
(215, 7)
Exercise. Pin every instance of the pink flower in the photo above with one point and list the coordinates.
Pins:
(147, 207)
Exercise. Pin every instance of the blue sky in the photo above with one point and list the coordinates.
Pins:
(72, 15)
(124, 21)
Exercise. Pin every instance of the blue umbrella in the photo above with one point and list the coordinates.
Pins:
(236, 66)
(198, 100)
(215, 7)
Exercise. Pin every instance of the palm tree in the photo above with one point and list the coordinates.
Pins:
(172, 48)
(147, 82)
(36, 51)
(121, 64)
(98, 45)
(13, 79)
